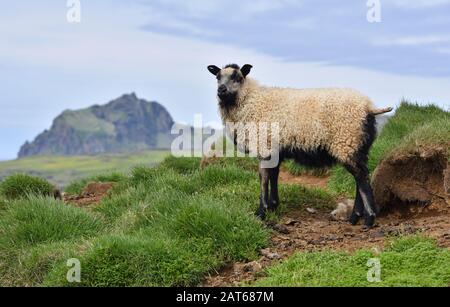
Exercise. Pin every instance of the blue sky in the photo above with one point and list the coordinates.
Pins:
(160, 48)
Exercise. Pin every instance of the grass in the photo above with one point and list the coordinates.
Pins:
(61, 171)
(37, 220)
(412, 261)
(21, 185)
(164, 226)
(411, 128)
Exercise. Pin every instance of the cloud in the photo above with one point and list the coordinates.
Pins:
(419, 4)
(49, 66)
(412, 40)
(231, 9)
(443, 50)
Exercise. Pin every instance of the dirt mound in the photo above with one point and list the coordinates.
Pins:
(412, 183)
(92, 194)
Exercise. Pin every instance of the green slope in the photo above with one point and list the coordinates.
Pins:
(63, 170)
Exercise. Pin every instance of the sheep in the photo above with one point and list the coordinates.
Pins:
(317, 127)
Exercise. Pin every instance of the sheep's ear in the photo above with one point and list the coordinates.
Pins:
(214, 69)
(245, 70)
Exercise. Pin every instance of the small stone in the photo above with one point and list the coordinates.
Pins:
(281, 229)
(378, 234)
(290, 222)
(311, 210)
(268, 254)
(343, 211)
(253, 266)
(315, 242)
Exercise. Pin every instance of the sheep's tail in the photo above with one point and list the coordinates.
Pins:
(381, 111)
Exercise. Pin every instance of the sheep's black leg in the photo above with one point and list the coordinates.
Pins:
(369, 204)
(358, 209)
(264, 197)
(361, 174)
(274, 200)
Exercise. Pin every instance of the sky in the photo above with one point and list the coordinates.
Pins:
(160, 49)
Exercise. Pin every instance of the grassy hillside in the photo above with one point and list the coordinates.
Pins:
(63, 170)
(174, 224)
(167, 226)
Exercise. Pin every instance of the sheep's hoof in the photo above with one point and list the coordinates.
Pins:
(369, 222)
(261, 214)
(354, 219)
(273, 207)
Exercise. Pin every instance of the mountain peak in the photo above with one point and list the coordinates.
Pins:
(124, 124)
(130, 96)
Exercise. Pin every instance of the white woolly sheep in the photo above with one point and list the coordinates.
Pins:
(317, 127)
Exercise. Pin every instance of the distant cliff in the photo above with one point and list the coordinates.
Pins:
(123, 125)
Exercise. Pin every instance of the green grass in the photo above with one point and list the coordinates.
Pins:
(164, 226)
(21, 185)
(61, 171)
(413, 261)
(412, 128)
(37, 220)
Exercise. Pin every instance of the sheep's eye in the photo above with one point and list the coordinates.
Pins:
(219, 77)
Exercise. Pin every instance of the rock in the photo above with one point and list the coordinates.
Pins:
(254, 266)
(281, 229)
(123, 125)
(270, 255)
(291, 222)
(343, 211)
(378, 234)
(316, 242)
(311, 210)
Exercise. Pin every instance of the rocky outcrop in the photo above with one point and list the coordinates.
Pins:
(125, 124)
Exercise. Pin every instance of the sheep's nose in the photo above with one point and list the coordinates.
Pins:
(222, 89)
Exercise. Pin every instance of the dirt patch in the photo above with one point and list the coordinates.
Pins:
(416, 199)
(300, 231)
(92, 194)
(418, 180)
(305, 180)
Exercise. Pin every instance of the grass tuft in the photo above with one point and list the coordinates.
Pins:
(36, 220)
(20, 186)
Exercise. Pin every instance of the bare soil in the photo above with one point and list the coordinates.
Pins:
(415, 179)
(92, 194)
(305, 180)
(301, 231)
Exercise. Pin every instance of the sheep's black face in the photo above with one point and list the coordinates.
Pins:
(230, 80)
